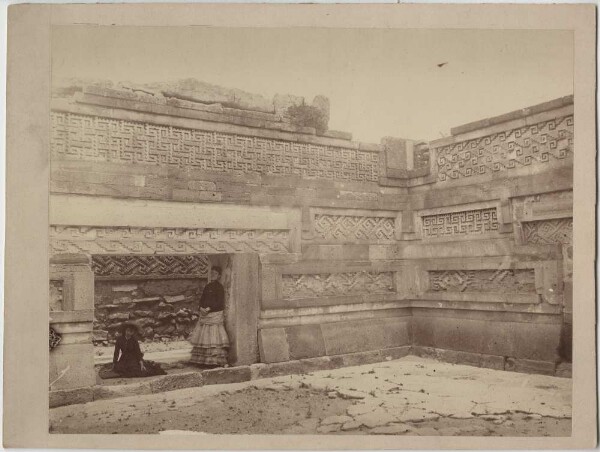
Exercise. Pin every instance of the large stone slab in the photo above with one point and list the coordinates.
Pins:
(226, 375)
(362, 335)
(537, 341)
(244, 297)
(273, 345)
(305, 341)
(177, 381)
(70, 396)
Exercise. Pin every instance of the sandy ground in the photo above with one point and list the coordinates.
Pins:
(409, 396)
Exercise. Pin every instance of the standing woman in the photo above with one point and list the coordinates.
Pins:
(209, 338)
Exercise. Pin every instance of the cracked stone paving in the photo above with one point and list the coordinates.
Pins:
(408, 396)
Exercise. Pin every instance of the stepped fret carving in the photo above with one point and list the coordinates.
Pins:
(92, 138)
(331, 284)
(536, 144)
(469, 222)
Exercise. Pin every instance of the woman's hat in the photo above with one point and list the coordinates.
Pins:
(130, 325)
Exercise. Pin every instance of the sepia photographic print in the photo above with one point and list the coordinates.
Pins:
(340, 232)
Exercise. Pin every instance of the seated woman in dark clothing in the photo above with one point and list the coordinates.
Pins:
(127, 359)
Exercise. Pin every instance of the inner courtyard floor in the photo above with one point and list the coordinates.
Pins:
(407, 396)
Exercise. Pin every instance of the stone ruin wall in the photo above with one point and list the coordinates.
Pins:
(459, 248)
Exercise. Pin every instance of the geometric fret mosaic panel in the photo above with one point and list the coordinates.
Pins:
(149, 240)
(553, 231)
(98, 139)
(331, 284)
(128, 265)
(506, 281)
(535, 144)
(463, 223)
(349, 227)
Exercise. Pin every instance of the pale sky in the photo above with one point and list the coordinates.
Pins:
(379, 82)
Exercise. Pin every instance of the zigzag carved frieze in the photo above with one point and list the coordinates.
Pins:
(536, 144)
(160, 265)
(508, 281)
(98, 139)
(549, 231)
(349, 227)
(134, 240)
(462, 223)
(331, 284)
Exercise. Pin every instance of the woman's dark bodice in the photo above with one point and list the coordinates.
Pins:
(213, 297)
(129, 348)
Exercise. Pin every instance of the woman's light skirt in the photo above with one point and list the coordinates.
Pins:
(210, 341)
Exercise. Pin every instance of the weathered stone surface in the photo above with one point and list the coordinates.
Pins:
(226, 375)
(393, 429)
(70, 396)
(99, 335)
(375, 418)
(206, 93)
(395, 352)
(351, 425)
(450, 431)
(531, 339)
(358, 359)
(115, 391)
(177, 381)
(332, 428)
(416, 415)
(305, 341)
(336, 420)
(359, 409)
(530, 366)
(273, 345)
(564, 370)
(427, 431)
(350, 394)
(492, 362)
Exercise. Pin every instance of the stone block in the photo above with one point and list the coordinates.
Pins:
(356, 252)
(319, 363)
(492, 362)
(424, 352)
(362, 335)
(396, 352)
(530, 366)
(72, 366)
(226, 375)
(468, 359)
(177, 381)
(245, 291)
(358, 359)
(305, 341)
(564, 370)
(273, 345)
(520, 339)
(338, 134)
(70, 396)
(202, 185)
(115, 391)
(302, 366)
(194, 196)
(278, 369)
